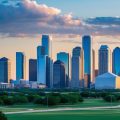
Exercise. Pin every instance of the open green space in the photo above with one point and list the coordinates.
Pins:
(86, 103)
(69, 115)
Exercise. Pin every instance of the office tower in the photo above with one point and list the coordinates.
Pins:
(87, 48)
(41, 65)
(104, 59)
(93, 67)
(46, 43)
(116, 61)
(5, 70)
(59, 78)
(77, 70)
(64, 57)
(33, 70)
(49, 72)
(20, 66)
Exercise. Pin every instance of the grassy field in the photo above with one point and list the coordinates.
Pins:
(69, 115)
(86, 103)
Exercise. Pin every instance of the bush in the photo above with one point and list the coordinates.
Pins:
(2, 116)
(110, 98)
(64, 99)
(38, 100)
(1, 101)
(8, 101)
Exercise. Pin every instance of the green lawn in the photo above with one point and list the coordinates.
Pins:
(86, 103)
(69, 115)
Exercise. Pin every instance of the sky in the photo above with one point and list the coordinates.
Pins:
(22, 22)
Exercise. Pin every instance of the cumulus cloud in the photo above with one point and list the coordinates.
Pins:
(27, 17)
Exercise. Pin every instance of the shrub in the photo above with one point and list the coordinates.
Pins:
(2, 116)
(110, 98)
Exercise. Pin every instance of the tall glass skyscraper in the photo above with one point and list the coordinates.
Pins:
(59, 74)
(64, 57)
(5, 72)
(33, 70)
(41, 65)
(116, 61)
(46, 42)
(20, 66)
(87, 48)
(77, 70)
(104, 59)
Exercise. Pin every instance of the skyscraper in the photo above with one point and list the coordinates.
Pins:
(87, 48)
(116, 61)
(20, 66)
(64, 57)
(59, 78)
(41, 65)
(104, 59)
(5, 70)
(77, 68)
(32, 70)
(46, 43)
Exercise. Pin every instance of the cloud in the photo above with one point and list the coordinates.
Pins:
(27, 17)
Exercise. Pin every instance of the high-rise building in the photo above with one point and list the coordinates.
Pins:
(64, 57)
(5, 70)
(20, 66)
(33, 70)
(104, 59)
(59, 78)
(41, 65)
(93, 67)
(87, 48)
(116, 61)
(46, 43)
(49, 72)
(77, 70)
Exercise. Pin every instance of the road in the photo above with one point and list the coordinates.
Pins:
(64, 109)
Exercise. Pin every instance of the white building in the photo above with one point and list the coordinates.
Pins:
(107, 81)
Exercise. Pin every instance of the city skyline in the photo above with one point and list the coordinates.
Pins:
(13, 39)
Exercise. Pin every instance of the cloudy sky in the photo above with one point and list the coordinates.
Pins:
(23, 21)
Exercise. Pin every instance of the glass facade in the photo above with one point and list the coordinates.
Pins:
(116, 61)
(20, 66)
(64, 57)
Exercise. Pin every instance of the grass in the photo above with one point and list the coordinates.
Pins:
(69, 115)
(86, 103)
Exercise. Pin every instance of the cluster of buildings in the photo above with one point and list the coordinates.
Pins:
(68, 71)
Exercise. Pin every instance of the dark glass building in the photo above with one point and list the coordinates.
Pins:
(5, 71)
(64, 57)
(87, 48)
(20, 66)
(33, 70)
(116, 61)
(59, 78)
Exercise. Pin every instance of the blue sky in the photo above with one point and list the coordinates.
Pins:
(87, 8)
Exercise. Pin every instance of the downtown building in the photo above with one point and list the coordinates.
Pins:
(116, 61)
(20, 67)
(105, 64)
(5, 70)
(59, 77)
(87, 49)
(64, 57)
(77, 71)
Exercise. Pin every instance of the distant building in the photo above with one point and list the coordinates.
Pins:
(20, 66)
(87, 48)
(107, 81)
(59, 78)
(5, 70)
(33, 70)
(116, 61)
(64, 57)
(46, 43)
(93, 67)
(41, 65)
(77, 70)
(49, 72)
(104, 59)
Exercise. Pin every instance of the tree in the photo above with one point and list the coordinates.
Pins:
(110, 98)
(2, 116)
